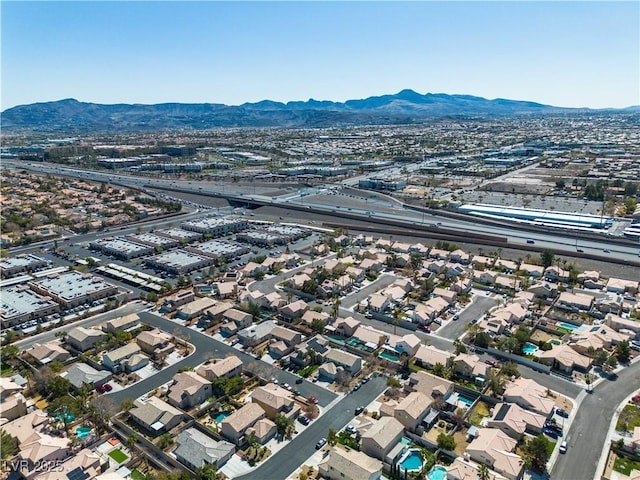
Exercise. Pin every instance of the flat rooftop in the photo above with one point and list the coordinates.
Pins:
(72, 285)
(220, 248)
(123, 246)
(19, 300)
(179, 234)
(180, 259)
(152, 239)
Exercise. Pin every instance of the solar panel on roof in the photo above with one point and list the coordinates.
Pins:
(77, 474)
(504, 408)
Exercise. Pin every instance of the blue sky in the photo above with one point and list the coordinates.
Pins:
(574, 54)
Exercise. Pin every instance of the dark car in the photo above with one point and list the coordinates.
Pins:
(303, 420)
(299, 381)
(100, 389)
(562, 413)
(321, 443)
(107, 387)
(359, 410)
(549, 432)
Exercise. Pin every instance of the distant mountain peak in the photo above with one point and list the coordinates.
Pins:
(406, 106)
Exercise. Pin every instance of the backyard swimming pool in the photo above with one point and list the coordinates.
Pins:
(412, 460)
(529, 348)
(466, 400)
(83, 431)
(392, 357)
(221, 416)
(568, 326)
(437, 473)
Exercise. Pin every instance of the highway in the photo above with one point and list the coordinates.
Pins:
(378, 208)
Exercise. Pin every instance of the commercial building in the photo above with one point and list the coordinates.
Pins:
(71, 289)
(179, 261)
(120, 248)
(216, 226)
(22, 263)
(219, 249)
(20, 304)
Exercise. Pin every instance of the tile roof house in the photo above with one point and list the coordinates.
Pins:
(565, 358)
(495, 449)
(341, 464)
(155, 415)
(469, 365)
(38, 449)
(24, 426)
(227, 367)
(196, 449)
(428, 355)
(117, 360)
(233, 427)
(295, 309)
(275, 400)
(346, 327)
(431, 385)
(514, 420)
(350, 362)
(529, 394)
(412, 410)
(380, 438)
(155, 341)
(188, 390)
(596, 336)
(82, 339)
(45, 353)
(263, 430)
(462, 469)
(84, 464)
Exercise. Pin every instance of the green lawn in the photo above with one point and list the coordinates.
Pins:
(625, 465)
(118, 455)
(550, 446)
(629, 418)
(138, 475)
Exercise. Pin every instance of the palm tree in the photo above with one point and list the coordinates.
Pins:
(335, 308)
(483, 472)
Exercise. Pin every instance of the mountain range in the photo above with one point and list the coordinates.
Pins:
(405, 107)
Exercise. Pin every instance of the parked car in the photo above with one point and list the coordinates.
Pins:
(321, 443)
(550, 432)
(359, 410)
(107, 387)
(562, 413)
(350, 429)
(303, 420)
(563, 447)
(100, 388)
(299, 380)
(493, 363)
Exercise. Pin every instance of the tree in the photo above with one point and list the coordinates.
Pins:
(459, 346)
(536, 453)
(612, 362)
(446, 442)
(510, 369)
(440, 370)
(101, 409)
(284, 425)
(393, 382)
(9, 352)
(600, 356)
(332, 437)
(165, 440)
(58, 387)
(317, 325)
(482, 340)
(208, 471)
(495, 381)
(623, 352)
(547, 257)
(483, 472)
(127, 404)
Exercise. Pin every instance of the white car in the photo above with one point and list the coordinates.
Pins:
(563, 447)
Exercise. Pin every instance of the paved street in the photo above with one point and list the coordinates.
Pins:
(207, 347)
(591, 424)
(455, 328)
(284, 462)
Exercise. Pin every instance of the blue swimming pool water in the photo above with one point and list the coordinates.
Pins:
(405, 441)
(437, 473)
(83, 431)
(529, 348)
(466, 400)
(67, 416)
(221, 416)
(412, 461)
(568, 326)
(393, 357)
